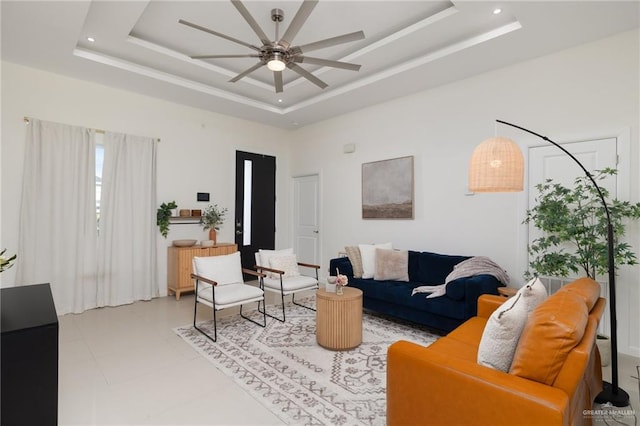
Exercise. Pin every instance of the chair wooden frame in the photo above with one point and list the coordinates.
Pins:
(213, 284)
(263, 269)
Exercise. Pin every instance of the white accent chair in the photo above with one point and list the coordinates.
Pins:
(219, 284)
(281, 275)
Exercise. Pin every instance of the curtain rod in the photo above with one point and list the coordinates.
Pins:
(28, 120)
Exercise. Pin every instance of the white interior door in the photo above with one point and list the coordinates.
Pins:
(306, 218)
(549, 162)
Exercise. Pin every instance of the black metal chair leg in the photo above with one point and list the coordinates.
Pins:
(283, 319)
(264, 317)
(195, 314)
(293, 300)
(215, 327)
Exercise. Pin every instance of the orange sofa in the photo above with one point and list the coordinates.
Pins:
(555, 373)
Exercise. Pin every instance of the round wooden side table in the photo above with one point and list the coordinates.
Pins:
(339, 319)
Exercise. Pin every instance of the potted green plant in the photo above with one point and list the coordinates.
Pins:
(6, 262)
(163, 215)
(212, 218)
(574, 224)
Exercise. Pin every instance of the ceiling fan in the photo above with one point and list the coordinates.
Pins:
(280, 54)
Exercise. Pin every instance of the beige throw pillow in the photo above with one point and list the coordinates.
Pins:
(501, 334)
(392, 265)
(353, 253)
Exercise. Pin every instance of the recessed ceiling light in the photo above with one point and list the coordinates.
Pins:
(497, 11)
(91, 39)
(280, 100)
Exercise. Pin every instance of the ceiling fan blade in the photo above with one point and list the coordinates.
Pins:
(328, 42)
(306, 74)
(326, 63)
(277, 80)
(246, 72)
(217, 34)
(223, 56)
(298, 21)
(252, 22)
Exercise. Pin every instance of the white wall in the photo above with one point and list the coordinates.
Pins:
(585, 92)
(589, 91)
(196, 152)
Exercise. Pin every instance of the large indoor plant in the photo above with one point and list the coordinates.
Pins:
(574, 226)
(212, 218)
(163, 215)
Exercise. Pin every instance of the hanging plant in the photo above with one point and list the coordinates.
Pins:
(163, 215)
(574, 224)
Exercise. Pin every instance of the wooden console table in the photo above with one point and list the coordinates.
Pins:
(180, 264)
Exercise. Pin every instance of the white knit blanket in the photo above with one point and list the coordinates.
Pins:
(478, 265)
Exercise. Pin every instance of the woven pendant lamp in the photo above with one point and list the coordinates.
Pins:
(497, 165)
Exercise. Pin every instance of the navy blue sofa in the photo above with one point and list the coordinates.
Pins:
(443, 313)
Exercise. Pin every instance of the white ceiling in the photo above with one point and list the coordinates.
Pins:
(409, 46)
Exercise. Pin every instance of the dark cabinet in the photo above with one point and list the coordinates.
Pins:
(28, 356)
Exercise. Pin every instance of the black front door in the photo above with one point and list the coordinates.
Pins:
(255, 221)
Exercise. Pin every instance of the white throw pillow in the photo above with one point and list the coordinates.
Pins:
(368, 254)
(266, 255)
(533, 293)
(501, 334)
(287, 263)
(225, 269)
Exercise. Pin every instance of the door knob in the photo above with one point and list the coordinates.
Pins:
(316, 232)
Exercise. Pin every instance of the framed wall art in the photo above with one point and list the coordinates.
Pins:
(387, 189)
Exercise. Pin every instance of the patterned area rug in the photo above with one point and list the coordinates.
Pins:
(284, 368)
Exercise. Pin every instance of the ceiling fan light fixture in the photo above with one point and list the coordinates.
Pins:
(276, 63)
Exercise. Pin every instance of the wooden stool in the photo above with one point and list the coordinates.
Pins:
(339, 319)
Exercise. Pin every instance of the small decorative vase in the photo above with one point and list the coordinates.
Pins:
(339, 290)
(212, 235)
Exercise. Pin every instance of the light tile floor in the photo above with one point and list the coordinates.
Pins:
(126, 366)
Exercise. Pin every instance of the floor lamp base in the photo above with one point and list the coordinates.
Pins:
(619, 399)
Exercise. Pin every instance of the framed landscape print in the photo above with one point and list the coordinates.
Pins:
(387, 189)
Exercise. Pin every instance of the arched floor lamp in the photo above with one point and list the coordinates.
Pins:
(497, 165)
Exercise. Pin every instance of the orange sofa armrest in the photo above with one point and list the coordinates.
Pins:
(429, 387)
(487, 303)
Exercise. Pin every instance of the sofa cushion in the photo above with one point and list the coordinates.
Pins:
(501, 334)
(586, 288)
(353, 253)
(368, 253)
(433, 268)
(470, 332)
(554, 328)
(392, 265)
(341, 263)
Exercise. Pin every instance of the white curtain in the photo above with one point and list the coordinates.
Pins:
(57, 238)
(127, 241)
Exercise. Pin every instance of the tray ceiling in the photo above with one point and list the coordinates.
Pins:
(409, 46)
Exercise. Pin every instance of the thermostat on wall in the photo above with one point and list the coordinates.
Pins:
(203, 196)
